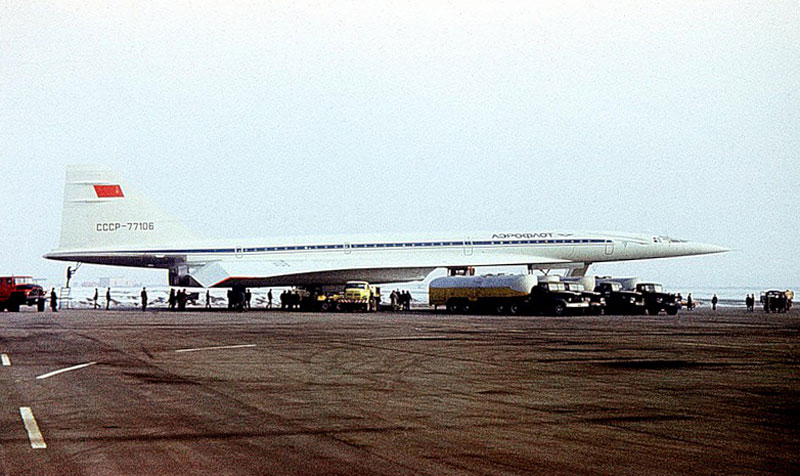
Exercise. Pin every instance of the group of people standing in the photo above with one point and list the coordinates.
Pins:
(750, 302)
(177, 300)
(108, 298)
(239, 299)
(400, 300)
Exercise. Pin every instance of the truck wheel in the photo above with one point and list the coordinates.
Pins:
(13, 307)
(514, 309)
(501, 309)
(559, 309)
(40, 305)
(671, 311)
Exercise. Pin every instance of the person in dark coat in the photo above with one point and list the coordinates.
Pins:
(208, 299)
(181, 299)
(53, 300)
(95, 298)
(714, 301)
(172, 299)
(108, 298)
(144, 299)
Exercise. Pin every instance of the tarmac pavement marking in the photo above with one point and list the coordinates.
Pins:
(6, 360)
(34, 435)
(61, 371)
(218, 347)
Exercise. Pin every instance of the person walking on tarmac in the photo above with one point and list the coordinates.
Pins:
(53, 300)
(689, 303)
(208, 299)
(714, 301)
(171, 300)
(95, 298)
(144, 299)
(108, 298)
(269, 299)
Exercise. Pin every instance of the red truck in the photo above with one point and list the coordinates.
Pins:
(16, 291)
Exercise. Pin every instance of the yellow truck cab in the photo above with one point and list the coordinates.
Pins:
(360, 295)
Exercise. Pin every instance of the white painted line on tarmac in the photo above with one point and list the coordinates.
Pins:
(68, 369)
(6, 360)
(198, 349)
(34, 435)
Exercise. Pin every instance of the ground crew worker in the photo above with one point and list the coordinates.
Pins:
(208, 299)
(714, 302)
(171, 299)
(269, 299)
(144, 299)
(108, 298)
(95, 298)
(53, 300)
(689, 303)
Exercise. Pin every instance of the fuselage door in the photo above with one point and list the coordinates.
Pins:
(610, 247)
(347, 248)
(468, 247)
(238, 251)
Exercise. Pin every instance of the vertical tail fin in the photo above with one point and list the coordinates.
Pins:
(102, 211)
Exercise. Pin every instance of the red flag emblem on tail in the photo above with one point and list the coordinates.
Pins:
(108, 191)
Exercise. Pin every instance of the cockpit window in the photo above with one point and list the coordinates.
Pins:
(667, 239)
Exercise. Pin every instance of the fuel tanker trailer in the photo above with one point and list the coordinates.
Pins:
(505, 294)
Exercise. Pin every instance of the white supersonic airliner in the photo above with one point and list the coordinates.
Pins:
(106, 221)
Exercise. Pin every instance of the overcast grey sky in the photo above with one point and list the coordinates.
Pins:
(278, 118)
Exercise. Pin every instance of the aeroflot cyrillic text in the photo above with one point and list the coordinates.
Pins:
(522, 235)
(126, 226)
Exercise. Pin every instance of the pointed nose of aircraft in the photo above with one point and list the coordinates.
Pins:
(704, 249)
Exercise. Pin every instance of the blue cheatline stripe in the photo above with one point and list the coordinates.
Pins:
(428, 244)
